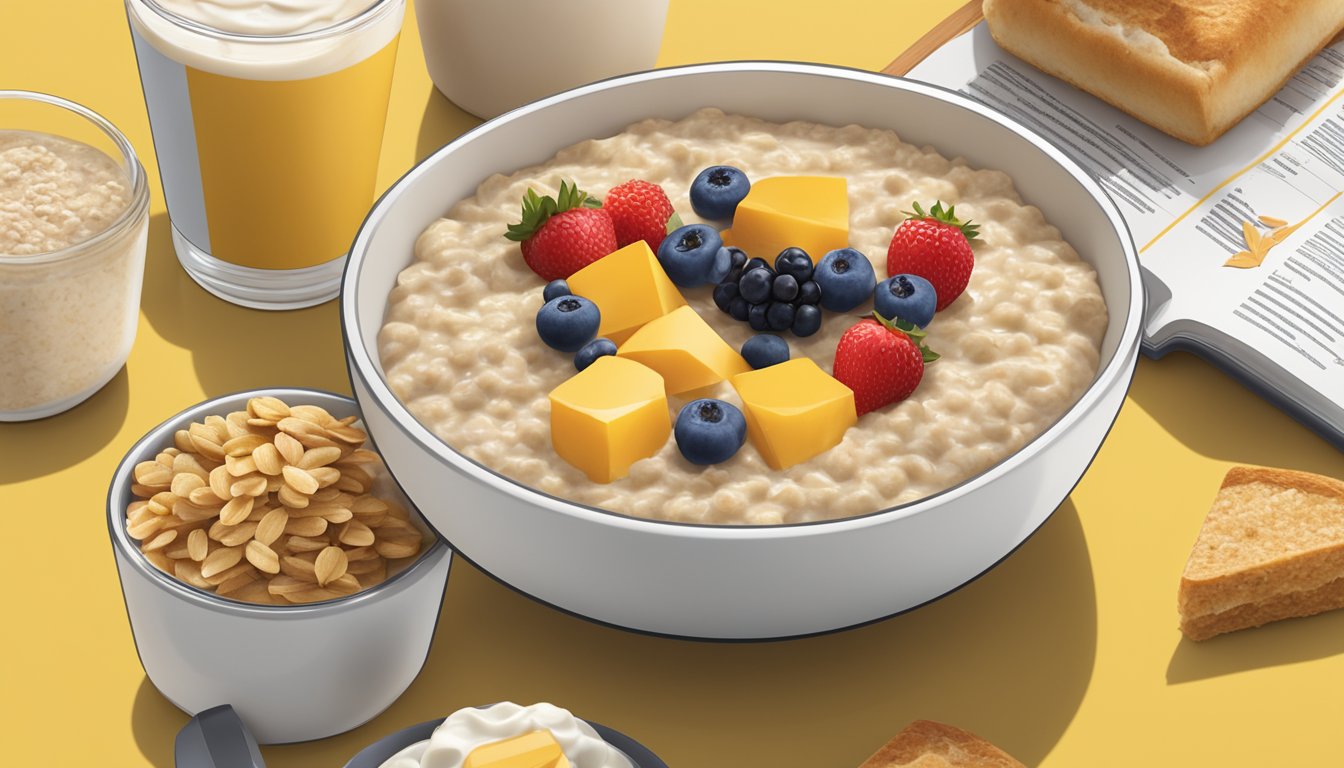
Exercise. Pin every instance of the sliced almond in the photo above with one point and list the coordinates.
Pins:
(160, 540)
(291, 450)
(185, 483)
(263, 557)
(244, 445)
(241, 466)
(205, 496)
(300, 480)
(318, 457)
(207, 448)
(271, 526)
(220, 480)
(268, 459)
(253, 485)
(313, 414)
(307, 544)
(220, 560)
(306, 526)
(268, 408)
(190, 572)
(236, 511)
(238, 534)
(198, 544)
(356, 534)
(298, 568)
(330, 565)
(290, 497)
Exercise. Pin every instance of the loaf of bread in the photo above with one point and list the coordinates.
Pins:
(1272, 547)
(1190, 68)
(926, 744)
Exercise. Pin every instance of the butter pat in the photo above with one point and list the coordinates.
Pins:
(608, 416)
(537, 749)
(794, 411)
(630, 288)
(808, 212)
(684, 350)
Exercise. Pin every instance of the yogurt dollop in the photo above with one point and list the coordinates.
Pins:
(467, 729)
(266, 17)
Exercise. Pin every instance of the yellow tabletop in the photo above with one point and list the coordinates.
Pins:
(1065, 655)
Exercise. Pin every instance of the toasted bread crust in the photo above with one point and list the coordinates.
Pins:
(1271, 547)
(927, 744)
(1307, 482)
(1190, 68)
(1288, 606)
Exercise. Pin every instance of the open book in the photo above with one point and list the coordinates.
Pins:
(1241, 242)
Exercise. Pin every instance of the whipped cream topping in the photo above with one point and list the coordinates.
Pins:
(467, 729)
(266, 17)
(267, 39)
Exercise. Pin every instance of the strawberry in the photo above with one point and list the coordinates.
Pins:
(881, 361)
(639, 210)
(561, 235)
(936, 246)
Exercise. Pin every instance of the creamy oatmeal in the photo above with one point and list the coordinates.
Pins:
(66, 320)
(1019, 347)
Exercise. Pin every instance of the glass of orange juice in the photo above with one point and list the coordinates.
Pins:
(267, 121)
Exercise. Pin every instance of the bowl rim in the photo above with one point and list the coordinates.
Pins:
(360, 362)
(119, 489)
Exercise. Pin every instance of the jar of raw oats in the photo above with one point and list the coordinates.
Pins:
(74, 218)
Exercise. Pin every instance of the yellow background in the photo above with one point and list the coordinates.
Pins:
(1066, 655)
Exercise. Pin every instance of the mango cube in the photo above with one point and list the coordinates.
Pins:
(630, 288)
(794, 411)
(537, 749)
(808, 212)
(684, 350)
(608, 416)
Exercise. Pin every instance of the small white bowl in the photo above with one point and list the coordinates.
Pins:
(292, 673)
(741, 582)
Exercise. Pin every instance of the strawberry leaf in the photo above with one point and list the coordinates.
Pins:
(537, 209)
(916, 334)
(673, 223)
(946, 216)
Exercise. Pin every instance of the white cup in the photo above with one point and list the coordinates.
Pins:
(488, 56)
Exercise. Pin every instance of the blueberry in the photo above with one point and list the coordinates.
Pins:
(846, 279)
(806, 320)
(555, 288)
(784, 288)
(716, 192)
(808, 293)
(738, 256)
(764, 350)
(567, 323)
(756, 317)
(754, 285)
(709, 431)
(909, 297)
(724, 293)
(796, 262)
(594, 349)
(691, 256)
(779, 315)
(754, 264)
(739, 308)
(722, 265)
(733, 276)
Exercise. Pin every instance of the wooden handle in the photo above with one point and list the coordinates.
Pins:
(960, 22)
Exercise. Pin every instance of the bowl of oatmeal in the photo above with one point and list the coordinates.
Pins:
(74, 221)
(916, 500)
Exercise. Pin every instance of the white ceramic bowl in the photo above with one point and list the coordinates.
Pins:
(741, 582)
(292, 673)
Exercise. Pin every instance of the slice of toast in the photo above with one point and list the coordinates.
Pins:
(926, 744)
(1272, 547)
